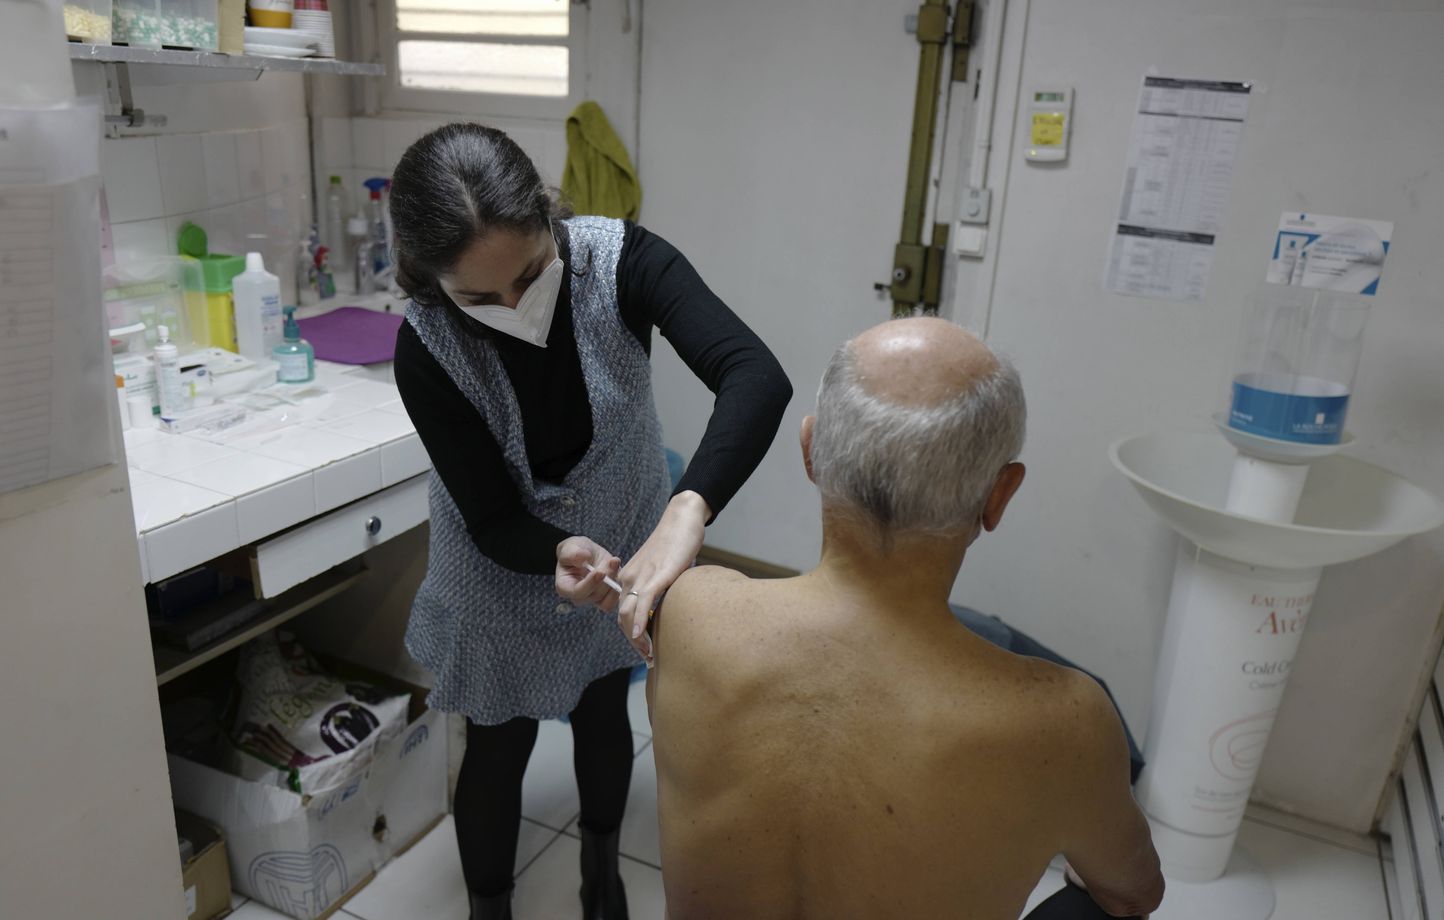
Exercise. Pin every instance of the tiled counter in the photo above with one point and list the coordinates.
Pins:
(195, 499)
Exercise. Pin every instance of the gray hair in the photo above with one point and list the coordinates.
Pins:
(914, 469)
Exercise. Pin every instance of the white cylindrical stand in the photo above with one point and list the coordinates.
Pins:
(1266, 489)
(1228, 645)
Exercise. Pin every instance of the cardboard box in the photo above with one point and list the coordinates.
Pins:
(305, 855)
(206, 875)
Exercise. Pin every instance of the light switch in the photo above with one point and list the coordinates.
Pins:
(970, 240)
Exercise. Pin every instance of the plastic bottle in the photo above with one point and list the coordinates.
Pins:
(258, 309)
(120, 397)
(376, 218)
(295, 358)
(356, 260)
(338, 210)
(167, 374)
(307, 290)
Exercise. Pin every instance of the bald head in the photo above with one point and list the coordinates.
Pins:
(920, 361)
(915, 420)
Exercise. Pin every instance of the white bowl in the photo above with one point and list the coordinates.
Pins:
(280, 51)
(283, 38)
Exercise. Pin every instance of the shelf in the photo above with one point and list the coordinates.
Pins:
(123, 54)
(171, 663)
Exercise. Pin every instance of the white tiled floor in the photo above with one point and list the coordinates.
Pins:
(1319, 873)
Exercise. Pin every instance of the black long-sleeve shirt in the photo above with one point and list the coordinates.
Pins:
(656, 287)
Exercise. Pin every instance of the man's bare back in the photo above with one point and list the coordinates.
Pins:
(821, 753)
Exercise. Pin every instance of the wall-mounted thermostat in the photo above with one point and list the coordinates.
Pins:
(1050, 117)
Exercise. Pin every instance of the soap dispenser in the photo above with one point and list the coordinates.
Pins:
(294, 357)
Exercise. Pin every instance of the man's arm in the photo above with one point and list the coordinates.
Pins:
(1108, 845)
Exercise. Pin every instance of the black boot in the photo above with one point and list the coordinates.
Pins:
(603, 897)
(495, 907)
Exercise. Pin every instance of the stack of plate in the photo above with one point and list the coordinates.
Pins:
(290, 43)
(314, 18)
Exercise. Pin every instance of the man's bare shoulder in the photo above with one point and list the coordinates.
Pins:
(1074, 715)
(707, 605)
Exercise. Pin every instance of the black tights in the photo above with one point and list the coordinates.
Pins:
(488, 790)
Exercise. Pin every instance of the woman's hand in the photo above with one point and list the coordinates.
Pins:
(668, 552)
(582, 585)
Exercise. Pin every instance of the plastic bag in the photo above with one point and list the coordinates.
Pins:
(302, 728)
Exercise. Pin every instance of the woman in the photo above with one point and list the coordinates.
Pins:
(524, 363)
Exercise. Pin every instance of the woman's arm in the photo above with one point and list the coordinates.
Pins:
(658, 287)
(470, 463)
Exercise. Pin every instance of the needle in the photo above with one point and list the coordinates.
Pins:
(616, 586)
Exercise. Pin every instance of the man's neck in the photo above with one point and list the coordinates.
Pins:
(903, 572)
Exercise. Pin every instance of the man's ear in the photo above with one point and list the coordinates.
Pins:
(1005, 487)
(807, 426)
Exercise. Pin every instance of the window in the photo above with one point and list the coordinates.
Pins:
(524, 55)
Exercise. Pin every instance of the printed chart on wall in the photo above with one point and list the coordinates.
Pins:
(1181, 157)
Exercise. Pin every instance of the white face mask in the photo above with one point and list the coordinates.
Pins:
(531, 321)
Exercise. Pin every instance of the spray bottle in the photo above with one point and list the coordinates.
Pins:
(376, 217)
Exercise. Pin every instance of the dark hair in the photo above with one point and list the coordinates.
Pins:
(454, 186)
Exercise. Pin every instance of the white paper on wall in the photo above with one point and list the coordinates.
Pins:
(1181, 158)
(1330, 253)
(56, 383)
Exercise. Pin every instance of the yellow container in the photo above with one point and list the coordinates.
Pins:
(221, 319)
(209, 303)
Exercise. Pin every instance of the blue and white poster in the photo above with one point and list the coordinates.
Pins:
(1330, 253)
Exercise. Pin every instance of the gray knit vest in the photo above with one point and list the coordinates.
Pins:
(503, 644)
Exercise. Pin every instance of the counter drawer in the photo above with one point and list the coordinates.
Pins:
(316, 546)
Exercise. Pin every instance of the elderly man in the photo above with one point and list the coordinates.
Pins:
(836, 745)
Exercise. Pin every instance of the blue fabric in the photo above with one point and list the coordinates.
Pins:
(675, 466)
(1004, 636)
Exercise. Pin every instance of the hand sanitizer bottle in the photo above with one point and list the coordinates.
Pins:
(167, 374)
(295, 358)
(258, 309)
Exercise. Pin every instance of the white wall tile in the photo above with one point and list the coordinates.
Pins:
(250, 224)
(182, 172)
(273, 509)
(336, 146)
(130, 169)
(347, 480)
(222, 181)
(297, 139)
(139, 239)
(400, 134)
(250, 166)
(189, 542)
(273, 158)
(368, 146)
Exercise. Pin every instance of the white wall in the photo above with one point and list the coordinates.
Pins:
(1329, 130)
(233, 157)
(86, 822)
(774, 144)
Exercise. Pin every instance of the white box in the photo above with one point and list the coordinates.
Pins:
(306, 855)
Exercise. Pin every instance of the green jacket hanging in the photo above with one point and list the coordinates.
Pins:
(599, 178)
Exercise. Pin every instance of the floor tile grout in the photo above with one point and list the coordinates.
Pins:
(531, 862)
(1308, 836)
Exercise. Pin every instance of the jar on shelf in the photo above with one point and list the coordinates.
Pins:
(88, 21)
(193, 24)
(136, 23)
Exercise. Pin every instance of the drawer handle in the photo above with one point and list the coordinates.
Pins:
(373, 525)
